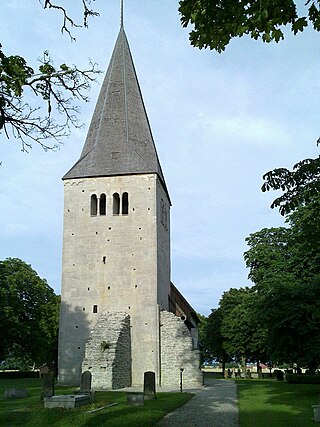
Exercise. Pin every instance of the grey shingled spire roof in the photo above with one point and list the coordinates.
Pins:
(119, 140)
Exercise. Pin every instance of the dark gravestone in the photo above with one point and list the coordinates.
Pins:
(149, 385)
(47, 389)
(86, 379)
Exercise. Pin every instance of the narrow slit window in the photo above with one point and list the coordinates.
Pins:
(95, 309)
(116, 204)
(125, 204)
(94, 205)
(102, 205)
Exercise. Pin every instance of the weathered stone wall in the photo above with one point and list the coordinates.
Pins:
(177, 351)
(163, 246)
(111, 263)
(108, 352)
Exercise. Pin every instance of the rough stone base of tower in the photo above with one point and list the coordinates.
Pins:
(177, 351)
(108, 352)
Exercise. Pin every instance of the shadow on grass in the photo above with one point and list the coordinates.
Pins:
(148, 415)
(271, 403)
(30, 412)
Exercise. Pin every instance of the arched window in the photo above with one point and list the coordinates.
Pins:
(116, 204)
(102, 204)
(94, 205)
(125, 204)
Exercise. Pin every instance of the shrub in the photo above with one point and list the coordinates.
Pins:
(278, 374)
(18, 374)
(302, 379)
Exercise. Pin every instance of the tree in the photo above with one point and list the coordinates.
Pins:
(29, 314)
(214, 339)
(202, 328)
(217, 22)
(243, 332)
(268, 254)
(53, 89)
(284, 266)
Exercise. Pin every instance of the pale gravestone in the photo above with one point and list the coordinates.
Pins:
(85, 385)
(15, 393)
(149, 385)
(47, 389)
(135, 398)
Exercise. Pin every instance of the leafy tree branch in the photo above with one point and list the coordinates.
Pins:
(55, 88)
(300, 185)
(216, 22)
(41, 105)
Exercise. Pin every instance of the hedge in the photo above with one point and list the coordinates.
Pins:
(302, 379)
(18, 374)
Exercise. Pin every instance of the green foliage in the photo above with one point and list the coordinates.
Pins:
(284, 266)
(202, 328)
(105, 345)
(300, 186)
(214, 338)
(234, 331)
(217, 22)
(302, 379)
(278, 320)
(14, 74)
(29, 316)
(11, 375)
(243, 332)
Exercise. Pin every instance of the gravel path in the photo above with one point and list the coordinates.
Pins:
(214, 406)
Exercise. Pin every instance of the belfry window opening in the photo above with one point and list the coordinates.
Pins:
(103, 204)
(116, 204)
(125, 204)
(94, 205)
(120, 204)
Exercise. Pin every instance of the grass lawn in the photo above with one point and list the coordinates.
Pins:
(30, 411)
(271, 403)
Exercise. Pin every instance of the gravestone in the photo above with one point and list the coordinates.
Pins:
(15, 393)
(67, 401)
(149, 385)
(47, 389)
(135, 398)
(85, 384)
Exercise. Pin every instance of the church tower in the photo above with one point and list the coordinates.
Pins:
(116, 242)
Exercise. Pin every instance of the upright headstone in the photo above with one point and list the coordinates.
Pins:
(15, 393)
(47, 389)
(85, 385)
(149, 385)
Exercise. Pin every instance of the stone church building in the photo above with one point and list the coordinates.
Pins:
(120, 313)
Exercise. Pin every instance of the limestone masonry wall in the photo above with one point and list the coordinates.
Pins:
(110, 263)
(108, 352)
(177, 351)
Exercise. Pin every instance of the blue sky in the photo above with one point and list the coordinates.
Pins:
(220, 121)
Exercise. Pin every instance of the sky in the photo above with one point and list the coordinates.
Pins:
(219, 121)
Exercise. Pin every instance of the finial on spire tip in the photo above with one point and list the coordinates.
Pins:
(121, 14)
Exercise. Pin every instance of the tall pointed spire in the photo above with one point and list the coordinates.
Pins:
(119, 140)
